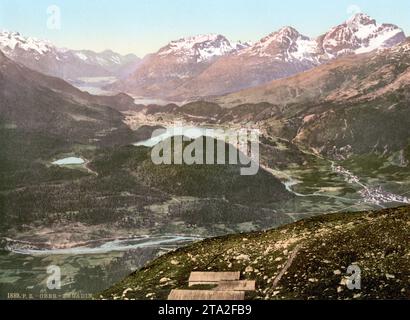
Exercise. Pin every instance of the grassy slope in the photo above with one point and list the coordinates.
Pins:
(326, 246)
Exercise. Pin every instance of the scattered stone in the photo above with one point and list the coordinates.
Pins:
(268, 249)
(249, 269)
(164, 280)
(243, 257)
(126, 291)
(344, 280)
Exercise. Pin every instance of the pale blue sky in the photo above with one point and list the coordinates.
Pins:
(143, 26)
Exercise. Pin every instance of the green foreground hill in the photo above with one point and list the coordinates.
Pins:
(303, 260)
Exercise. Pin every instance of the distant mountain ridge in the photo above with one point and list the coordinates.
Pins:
(203, 66)
(45, 57)
(287, 52)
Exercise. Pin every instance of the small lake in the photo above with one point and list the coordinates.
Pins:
(69, 161)
(94, 85)
(148, 101)
(189, 132)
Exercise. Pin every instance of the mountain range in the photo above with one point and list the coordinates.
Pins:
(45, 57)
(204, 66)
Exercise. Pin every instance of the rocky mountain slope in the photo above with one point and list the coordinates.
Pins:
(28, 102)
(306, 260)
(45, 57)
(33, 102)
(354, 77)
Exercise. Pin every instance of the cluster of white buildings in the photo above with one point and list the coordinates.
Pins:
(375, 195)
(378, 196)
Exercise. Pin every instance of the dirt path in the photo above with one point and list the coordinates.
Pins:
(87, 167)
(287, 266)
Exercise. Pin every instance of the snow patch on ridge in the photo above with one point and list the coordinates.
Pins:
(10, 41)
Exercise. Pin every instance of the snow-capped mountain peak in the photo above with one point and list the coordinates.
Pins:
(287, 32)
(200, 48)
(189, 42)
(360, 34)
(360, 19)
(282, 36)
(286, 44)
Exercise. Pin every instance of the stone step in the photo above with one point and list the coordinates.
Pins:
(237, 285)
(199, 278)
(191, 295)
